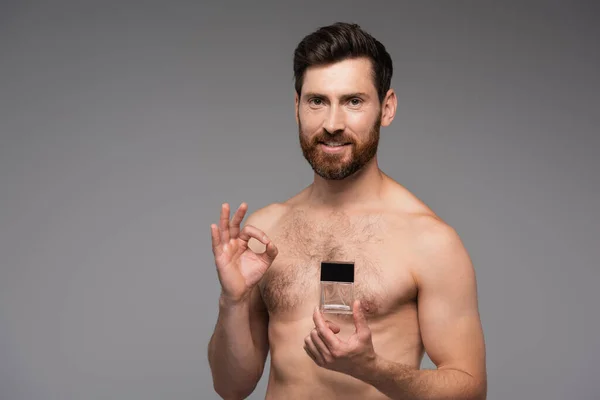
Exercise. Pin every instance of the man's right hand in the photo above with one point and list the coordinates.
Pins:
(239, 268)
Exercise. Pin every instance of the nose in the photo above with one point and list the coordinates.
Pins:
(335, 120)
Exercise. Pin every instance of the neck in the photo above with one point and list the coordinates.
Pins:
(364, 186)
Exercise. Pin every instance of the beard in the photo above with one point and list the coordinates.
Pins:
(332, 166)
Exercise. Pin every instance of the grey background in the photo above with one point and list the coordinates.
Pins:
(124, 125)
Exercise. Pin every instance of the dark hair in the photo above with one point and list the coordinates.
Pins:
(340, 41)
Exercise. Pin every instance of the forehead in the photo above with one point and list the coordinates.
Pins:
(347, 76)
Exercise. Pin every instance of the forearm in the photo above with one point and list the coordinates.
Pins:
(235, 360)
(407, 383)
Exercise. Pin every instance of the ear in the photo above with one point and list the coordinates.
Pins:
(388, 108)
(296, 102)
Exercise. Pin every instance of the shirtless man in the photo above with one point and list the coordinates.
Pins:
(415, 285)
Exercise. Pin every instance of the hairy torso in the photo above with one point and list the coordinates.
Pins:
(378, 242)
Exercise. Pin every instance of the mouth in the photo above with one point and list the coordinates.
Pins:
(333, 144)
(333, 147)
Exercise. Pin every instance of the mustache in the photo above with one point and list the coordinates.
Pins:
(327, 137)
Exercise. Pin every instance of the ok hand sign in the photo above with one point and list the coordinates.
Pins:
(239, 268)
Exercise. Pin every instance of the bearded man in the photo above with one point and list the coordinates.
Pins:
(413, 285)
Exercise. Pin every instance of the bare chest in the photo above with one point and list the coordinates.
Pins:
(382, 275)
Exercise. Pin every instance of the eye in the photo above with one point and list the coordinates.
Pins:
(355, 101)
(315, 101)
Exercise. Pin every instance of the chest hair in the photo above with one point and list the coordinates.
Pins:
(304, 241)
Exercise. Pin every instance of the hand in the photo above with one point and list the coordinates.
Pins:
(238, 267)
(328, 351)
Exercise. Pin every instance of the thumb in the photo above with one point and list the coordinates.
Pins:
(270, 253)
(334, 328)
(360, 320)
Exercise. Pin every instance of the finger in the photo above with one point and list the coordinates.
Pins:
(360, 320)
(215, 239)
(224, 223)
(325, 333)
(234, 226)
(321, 346)
(332, 326)
(310, 354)
(312, 351)
(270, 252)
(250, 231)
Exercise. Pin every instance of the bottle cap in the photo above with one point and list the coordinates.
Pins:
(337, 271)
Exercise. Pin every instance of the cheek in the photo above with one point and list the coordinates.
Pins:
(360, 122)
(310, 121)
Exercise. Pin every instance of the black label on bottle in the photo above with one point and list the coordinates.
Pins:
(337, 271)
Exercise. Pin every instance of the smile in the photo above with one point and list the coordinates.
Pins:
(333, 147)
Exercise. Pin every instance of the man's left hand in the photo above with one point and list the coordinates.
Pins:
(328, 351)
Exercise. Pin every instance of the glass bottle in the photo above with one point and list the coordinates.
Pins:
(337, 287)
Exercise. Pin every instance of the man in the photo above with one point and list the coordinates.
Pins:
(414, 284)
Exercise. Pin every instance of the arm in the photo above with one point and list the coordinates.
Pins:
(239, 345)
(450, 328)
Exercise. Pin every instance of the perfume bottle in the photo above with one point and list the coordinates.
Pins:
(337, 287)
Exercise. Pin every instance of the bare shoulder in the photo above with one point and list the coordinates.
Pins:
(440, 252)
(269, 219)
(433, 235)
(267, 216)
(436, 245)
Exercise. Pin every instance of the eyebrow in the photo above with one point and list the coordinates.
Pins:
(343, 97)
